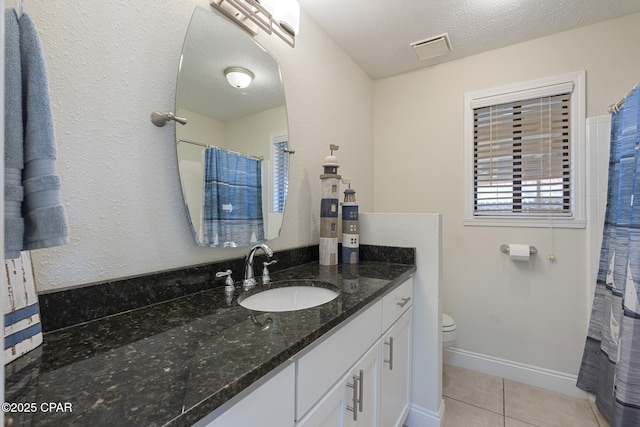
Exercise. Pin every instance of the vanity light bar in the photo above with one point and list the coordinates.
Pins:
(240, 10)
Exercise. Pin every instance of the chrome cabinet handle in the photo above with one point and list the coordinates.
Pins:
(390, 360)
(360, 397)
(404, 302)
(357, 397)
(354, 398)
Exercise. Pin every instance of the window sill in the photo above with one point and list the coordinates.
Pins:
(526, 222)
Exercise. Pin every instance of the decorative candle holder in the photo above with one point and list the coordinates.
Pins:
(329, 209)
(350, 227)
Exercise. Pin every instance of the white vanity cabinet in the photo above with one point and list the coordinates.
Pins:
(352, 401)
(396, 372)
(364, 366)
(328, 362)
(378, 381)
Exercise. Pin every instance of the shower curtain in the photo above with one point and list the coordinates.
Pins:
(232, 214)
(610, 366)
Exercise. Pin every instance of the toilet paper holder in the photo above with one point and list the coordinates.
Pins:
(505, 249)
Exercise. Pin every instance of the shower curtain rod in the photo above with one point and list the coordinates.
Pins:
(201, 144)
(616, 107)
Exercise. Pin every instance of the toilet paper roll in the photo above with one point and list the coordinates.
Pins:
(519, 252)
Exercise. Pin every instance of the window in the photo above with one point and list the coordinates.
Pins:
(280, 174)
(523, 154)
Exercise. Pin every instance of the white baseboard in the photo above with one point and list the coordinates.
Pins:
(421, 417)
(527, 374)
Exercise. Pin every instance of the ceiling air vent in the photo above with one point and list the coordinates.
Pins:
(434, 46)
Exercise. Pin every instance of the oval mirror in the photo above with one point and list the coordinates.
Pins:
(233, 152)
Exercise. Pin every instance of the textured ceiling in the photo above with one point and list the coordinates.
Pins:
(376, 33)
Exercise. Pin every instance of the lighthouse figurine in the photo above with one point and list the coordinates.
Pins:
(329, 209)
(350, 227)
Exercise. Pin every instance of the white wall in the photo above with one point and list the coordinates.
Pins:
(111, 64)
(423, 232)
(203, 129)
(242, 134)
(534, 314)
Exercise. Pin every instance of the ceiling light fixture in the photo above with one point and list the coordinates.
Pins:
(238, 77)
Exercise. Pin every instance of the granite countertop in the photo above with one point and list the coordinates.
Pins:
(174, 362)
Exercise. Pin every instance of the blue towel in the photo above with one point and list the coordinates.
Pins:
(232, 214)
(44, 215)
(13, 139)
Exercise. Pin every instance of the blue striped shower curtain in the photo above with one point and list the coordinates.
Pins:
(232, 214)
(610, 366)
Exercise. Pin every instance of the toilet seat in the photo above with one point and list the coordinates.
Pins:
(448, 325)
(448, 331)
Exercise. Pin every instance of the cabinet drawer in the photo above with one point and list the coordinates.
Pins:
(396, 302)
(319, 369)
(270, 405)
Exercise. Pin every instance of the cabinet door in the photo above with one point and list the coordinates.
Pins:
(363, 392)
(331, 410)
(357, 391)
(396, 372)
(319, 369)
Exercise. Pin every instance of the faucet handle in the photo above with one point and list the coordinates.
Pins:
(265, 271)
(228, 282)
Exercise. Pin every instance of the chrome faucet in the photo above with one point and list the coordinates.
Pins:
(250, 281)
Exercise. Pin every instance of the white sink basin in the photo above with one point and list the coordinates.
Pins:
(289, 296)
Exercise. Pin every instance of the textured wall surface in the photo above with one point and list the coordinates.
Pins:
(111, 63)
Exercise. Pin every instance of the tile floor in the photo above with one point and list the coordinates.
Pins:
(474, 399)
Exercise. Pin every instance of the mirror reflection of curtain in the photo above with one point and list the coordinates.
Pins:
(232, 214)
(280, 175)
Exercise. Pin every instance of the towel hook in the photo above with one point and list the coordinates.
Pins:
(160, 119)
(20, 7)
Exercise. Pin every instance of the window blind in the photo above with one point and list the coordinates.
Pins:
(280, 175)
(522, 157)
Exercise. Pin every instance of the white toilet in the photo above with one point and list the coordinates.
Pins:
(448, 331)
